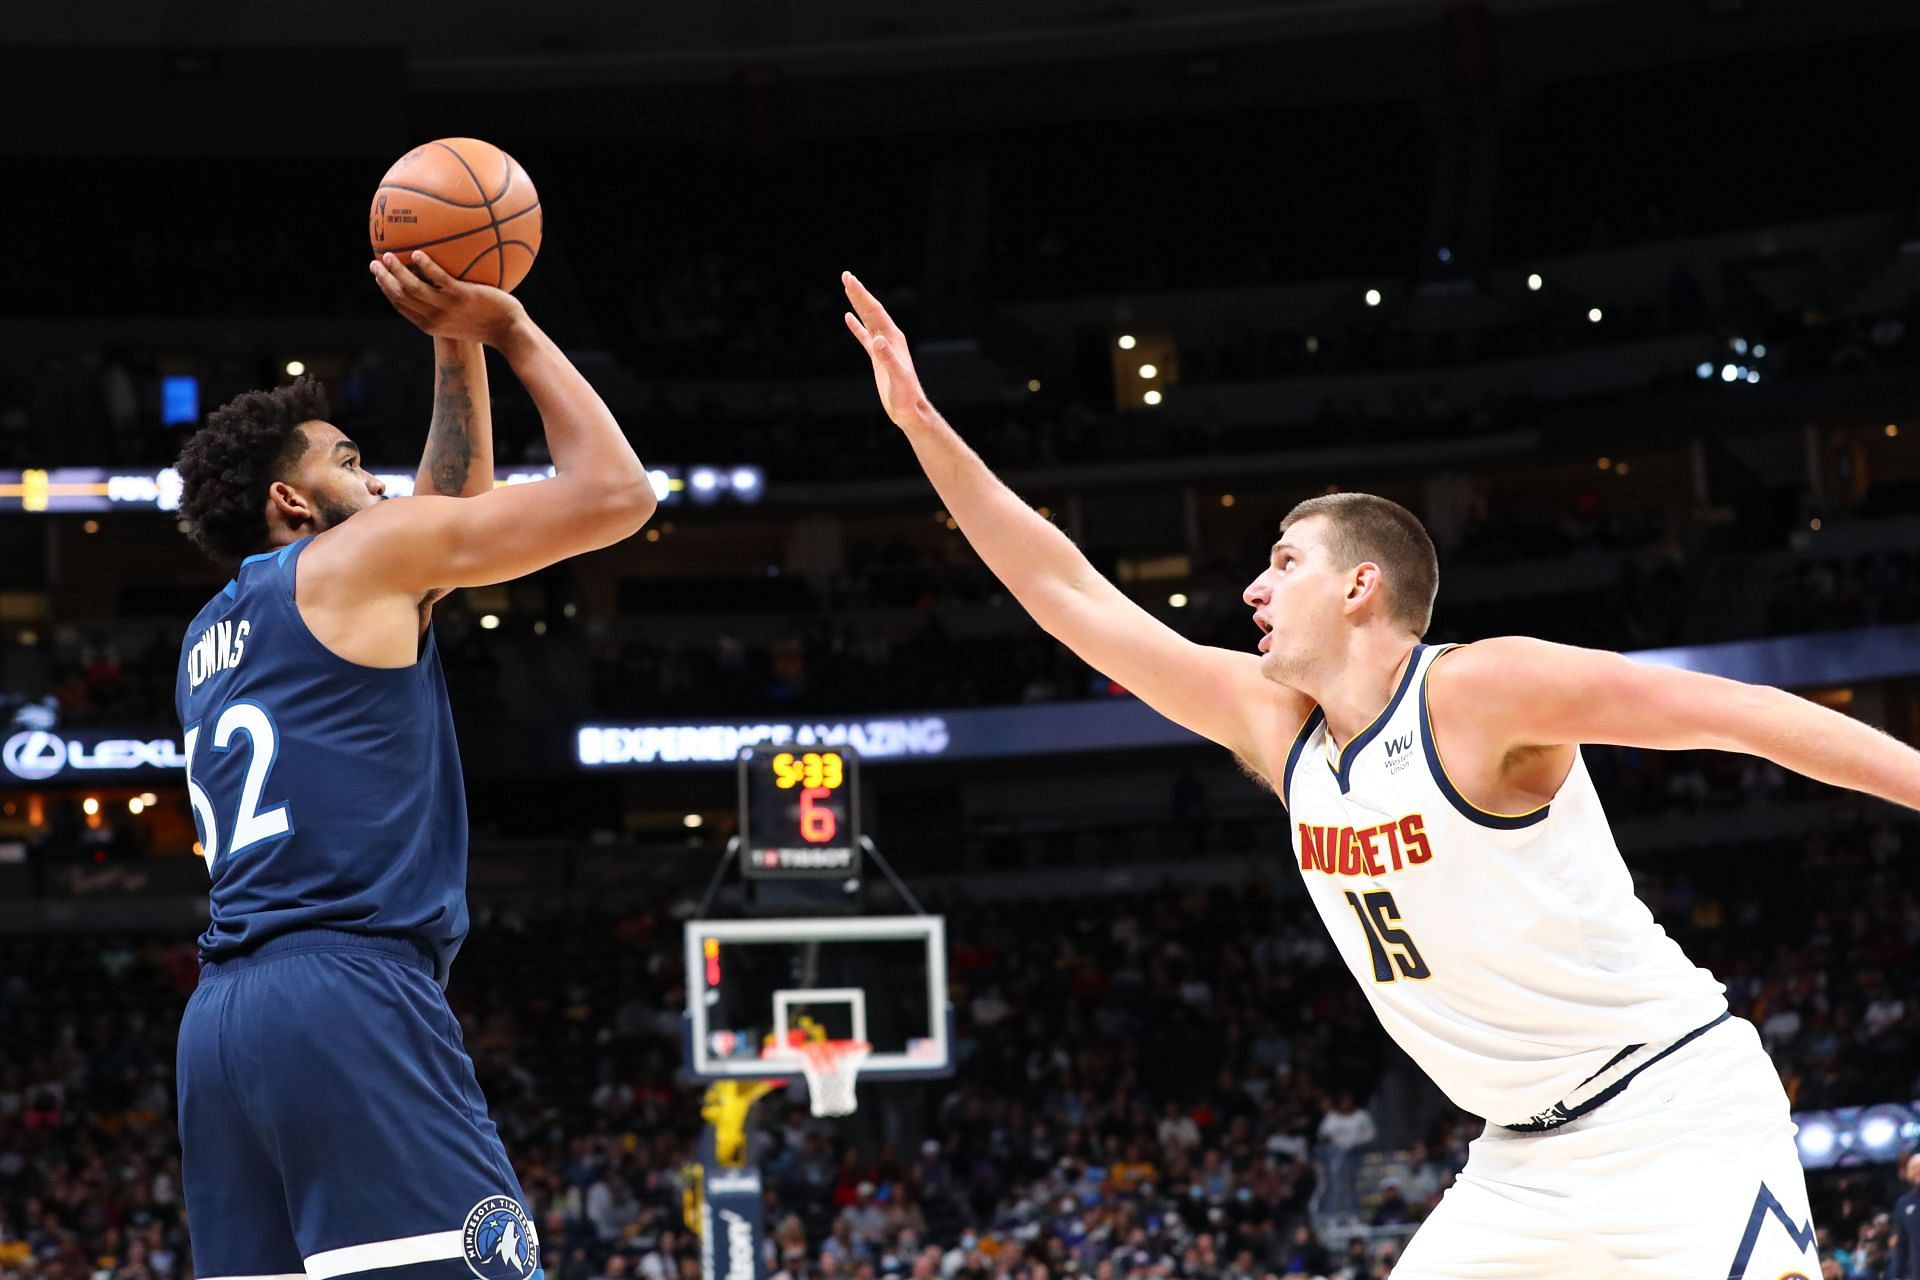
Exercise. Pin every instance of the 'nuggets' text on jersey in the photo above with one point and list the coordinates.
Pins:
(1366, 851)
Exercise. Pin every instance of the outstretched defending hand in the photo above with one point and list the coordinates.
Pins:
(893, 371)
(438, 304)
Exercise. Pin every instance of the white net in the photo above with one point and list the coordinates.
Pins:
(833, 1069)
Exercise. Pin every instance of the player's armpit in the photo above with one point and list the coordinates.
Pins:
(415, 545)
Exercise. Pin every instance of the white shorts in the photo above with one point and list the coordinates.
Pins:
(1691, 1173)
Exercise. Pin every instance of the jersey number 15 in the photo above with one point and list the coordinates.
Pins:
(250, 825)
(1386, 941)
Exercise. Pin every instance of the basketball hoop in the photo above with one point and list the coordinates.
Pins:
(832, 1068)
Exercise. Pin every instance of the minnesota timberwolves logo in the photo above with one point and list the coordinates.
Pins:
(500, 1242)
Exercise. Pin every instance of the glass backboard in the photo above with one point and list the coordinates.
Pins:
(882, 979)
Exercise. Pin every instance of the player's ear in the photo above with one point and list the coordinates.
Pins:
(1363, 584)
(289, 502)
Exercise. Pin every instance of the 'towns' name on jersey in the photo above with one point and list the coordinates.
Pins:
(219, 648)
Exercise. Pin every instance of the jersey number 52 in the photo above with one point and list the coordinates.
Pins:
(250, 824)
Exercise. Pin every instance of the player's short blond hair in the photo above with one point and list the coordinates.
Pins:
(1365, 527)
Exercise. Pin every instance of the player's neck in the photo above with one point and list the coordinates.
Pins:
(1359, 687)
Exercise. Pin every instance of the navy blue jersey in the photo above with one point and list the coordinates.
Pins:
(327, 794)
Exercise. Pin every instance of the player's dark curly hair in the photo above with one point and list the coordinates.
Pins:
(225, 467)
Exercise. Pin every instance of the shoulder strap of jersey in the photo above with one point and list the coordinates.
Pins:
(1314, 720)
(1465, 807)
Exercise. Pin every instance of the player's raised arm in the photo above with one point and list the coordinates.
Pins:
(1526, 693)
(600, 494)
(458, 462)
(1215, 692)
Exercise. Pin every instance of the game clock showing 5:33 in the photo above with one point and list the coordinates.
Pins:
(799, 812)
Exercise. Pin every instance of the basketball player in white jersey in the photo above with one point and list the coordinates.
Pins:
(1451, 840)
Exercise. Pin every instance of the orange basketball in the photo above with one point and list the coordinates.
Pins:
(467, 203)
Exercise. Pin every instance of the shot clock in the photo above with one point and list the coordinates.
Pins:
(799, 812)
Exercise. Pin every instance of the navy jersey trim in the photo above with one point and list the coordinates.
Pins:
(1467, 808)
(1767, 1205)
(1561, 1114)
(1315, 719)
(1343, 771)
(232, 589)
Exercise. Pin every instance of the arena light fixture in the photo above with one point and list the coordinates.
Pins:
(1126, 342)
(1534, 282)
(295, 368)
(1728, 373)
(1817, 1139)
(489, 622)
(136, 806)
(1373, 297)
(1178, 600)
(693, 820)
(1739, 346)
(1033, 384)
(1149, 371)
(1595, 315)
(1759, 351)
(1703, 370)
(1153, 396)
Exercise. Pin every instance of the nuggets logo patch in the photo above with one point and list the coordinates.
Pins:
(500, 1242)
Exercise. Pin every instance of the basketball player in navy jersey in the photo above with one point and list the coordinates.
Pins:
(1449, 836)
(329, 1116)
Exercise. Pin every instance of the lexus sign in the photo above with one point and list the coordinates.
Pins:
(39, 755)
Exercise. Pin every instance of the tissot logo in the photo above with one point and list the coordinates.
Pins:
(1399, 745)
(36, 755)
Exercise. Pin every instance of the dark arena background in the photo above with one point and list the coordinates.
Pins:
(1621, 298)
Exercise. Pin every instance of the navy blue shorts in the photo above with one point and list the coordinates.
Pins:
(331, 1124)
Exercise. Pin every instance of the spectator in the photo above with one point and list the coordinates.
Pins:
(1305, 1255)
(1906, 1223)
(1344, 1131)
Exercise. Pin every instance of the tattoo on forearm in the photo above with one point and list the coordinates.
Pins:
(450, 433)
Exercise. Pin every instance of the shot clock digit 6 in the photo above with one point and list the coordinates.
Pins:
(799, 812)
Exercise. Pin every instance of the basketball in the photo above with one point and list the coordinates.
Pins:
(467, 203)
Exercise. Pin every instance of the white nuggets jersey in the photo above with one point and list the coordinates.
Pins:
(1506, 953)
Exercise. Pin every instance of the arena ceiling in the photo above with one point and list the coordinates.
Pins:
(641, 33)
